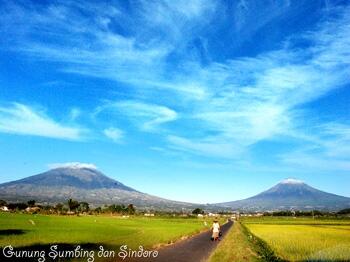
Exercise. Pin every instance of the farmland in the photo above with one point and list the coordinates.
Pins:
(21, 230)
(291, 239)
(303, 239)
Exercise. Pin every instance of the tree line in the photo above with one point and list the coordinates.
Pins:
(311, 213)
(71, 206)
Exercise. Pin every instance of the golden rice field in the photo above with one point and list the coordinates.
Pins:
(304, 239)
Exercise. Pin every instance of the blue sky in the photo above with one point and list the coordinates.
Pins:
(199, 101)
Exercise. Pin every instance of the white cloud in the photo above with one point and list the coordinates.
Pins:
(74, 165)
(158, 149)
(115, 134)
(147, 116)
(261, 98)
(327, 148)
(255, 14)
(23, 120)
(209, 147)
(191, 9)
(74, 113)
(234, 103)
(139, 59)
(313, 162)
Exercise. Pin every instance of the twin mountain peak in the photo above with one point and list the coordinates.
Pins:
(87, 183)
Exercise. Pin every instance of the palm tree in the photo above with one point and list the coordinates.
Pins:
(72, 204)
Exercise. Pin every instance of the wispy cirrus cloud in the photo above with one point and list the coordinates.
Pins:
(93, 47)
(210, 147)
(148, 117)
(262, 98)
(74, 113)
(115, 134)
(164, 50)
(311, 162)
(327, 148)
(21, 119)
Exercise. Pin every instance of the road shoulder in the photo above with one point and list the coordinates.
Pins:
(234, 247)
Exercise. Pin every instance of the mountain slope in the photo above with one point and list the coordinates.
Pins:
(290, 194)
(85, 178)
(83, 184)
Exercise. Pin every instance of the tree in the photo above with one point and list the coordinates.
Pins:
(197, 211)
(117, 208)
(131, 209)
(59, 207)
(344, 211)
(84, 207)
(2, 203)
(17, 206)
(112, 208)
(72, 204)
(31, 203)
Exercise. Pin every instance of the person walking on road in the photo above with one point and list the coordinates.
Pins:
(216, 230)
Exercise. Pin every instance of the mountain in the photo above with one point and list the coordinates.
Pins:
(83, 183)
(290, 194)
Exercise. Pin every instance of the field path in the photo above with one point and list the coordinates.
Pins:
(195, 249)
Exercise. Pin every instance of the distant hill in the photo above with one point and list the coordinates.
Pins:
(290, 194)
(83, 184)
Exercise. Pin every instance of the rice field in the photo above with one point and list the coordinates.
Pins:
(20, 230)
(303, 239)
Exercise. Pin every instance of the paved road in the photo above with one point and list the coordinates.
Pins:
(195, 249)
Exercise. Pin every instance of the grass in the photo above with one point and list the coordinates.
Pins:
(21, 230)
(234, 247)
(304, 239)
(300, 239)
(297, 220)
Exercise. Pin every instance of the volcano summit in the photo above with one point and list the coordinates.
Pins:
(291, 194)
(82, 182)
